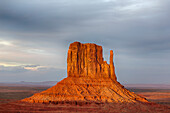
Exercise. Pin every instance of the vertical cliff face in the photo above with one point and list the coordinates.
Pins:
(86, 60)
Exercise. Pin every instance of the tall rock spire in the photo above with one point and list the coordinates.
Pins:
(112, 68)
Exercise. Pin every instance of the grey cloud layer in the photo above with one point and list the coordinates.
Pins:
(138, 31)
(18, 73)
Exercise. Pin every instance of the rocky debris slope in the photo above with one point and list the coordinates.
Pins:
(90, 79)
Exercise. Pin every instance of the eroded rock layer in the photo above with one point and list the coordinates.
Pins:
(90, 78)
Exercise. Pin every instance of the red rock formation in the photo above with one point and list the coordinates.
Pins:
(90, 78)
(86, 60)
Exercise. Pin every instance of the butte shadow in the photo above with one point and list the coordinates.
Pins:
(90, 79)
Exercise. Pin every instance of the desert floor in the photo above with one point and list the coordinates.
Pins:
(10, 96)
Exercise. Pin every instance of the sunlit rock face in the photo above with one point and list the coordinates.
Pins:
(86, 60)
(90, 79)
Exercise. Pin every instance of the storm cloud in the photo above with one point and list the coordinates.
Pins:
(38, 33)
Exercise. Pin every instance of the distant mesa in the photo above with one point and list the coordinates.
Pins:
(89, 79)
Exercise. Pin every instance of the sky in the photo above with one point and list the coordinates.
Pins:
(35, 36)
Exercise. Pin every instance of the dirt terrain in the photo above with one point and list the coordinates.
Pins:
(10, 96)
(79, 107)
(160, 96)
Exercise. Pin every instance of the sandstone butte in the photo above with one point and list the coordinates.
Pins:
(90, 79)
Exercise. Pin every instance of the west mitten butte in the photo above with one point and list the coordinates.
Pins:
(89, 79)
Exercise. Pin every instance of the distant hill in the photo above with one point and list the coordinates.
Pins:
(52, 83)
(23, 83)
(160, 86)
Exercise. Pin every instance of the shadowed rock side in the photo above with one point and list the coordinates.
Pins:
(90, 78)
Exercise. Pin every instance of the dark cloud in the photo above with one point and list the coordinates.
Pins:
(138, 31)
(34, 16)
(31, 65)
